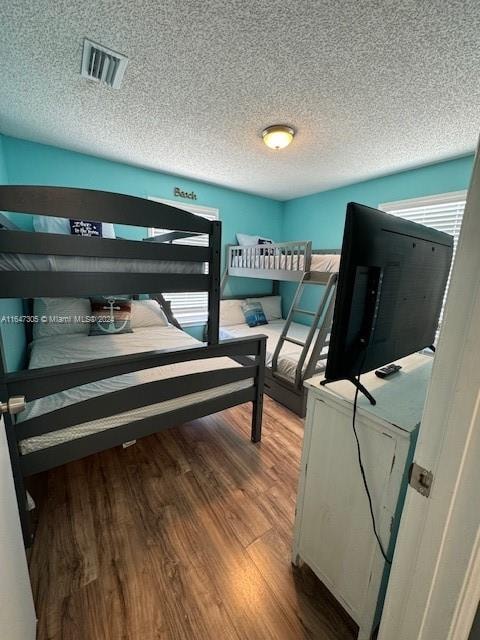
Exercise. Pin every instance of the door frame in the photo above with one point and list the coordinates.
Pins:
(434, 585)
(17, 611)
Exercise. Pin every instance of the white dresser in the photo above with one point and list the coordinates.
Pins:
(333, 529)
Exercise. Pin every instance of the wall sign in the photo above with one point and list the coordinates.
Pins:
(189, 195)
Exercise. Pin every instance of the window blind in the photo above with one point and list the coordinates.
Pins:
(189, 307)
(443, 212)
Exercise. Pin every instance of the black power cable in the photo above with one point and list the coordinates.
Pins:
(362, 469)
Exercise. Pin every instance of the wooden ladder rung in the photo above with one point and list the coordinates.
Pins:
(304, 311)
(294, 341)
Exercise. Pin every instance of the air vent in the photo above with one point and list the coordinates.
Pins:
(103, 65)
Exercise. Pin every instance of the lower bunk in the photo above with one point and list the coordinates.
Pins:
(58, 350)
(280, 383)
(90, 393)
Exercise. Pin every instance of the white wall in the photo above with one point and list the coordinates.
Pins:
(17, 614)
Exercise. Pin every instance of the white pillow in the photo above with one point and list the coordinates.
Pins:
(49, 224)
(247, 241)
(231, 312)
(272, 306)
(61, 316)
(147, 313)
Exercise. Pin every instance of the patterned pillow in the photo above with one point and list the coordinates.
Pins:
(50, 224)
(86, 228)
(110, 316)
(254, 314)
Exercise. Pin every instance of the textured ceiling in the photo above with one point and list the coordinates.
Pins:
(370, 86)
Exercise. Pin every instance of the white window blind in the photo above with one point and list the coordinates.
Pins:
(443, 212)
(189, 307)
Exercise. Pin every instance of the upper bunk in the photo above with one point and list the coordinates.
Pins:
(55, 263)
(286, 261)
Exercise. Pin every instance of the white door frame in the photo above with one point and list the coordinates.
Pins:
(434, 586)
(17, 612)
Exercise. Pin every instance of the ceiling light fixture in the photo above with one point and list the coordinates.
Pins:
(278, 136)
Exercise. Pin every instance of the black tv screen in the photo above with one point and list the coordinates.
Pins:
(391, 283)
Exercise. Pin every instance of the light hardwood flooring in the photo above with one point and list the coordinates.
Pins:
(184, 536)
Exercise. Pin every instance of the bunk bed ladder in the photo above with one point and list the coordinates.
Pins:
(324, 312)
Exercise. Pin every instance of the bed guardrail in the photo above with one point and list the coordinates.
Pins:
(279, 261)
(37, 383)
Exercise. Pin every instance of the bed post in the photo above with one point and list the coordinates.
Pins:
(213, 321)
(257, 404)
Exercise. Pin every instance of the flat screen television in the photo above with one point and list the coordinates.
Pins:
(391, 284)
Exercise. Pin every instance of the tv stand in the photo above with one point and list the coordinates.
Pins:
(357, 384)
(331, 483)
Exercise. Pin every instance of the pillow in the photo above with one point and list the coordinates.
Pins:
(272, 306)
(254, 315)
(147, 313)
(61, 316)
(231, 312)
(108, 230)
(49, 224)
(110, 316)
(247, 241)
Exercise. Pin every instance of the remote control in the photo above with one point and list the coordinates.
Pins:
(384, 372)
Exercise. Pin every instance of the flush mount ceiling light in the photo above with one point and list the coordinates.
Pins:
(278, 136)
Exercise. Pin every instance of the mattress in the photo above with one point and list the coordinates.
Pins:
(70, 348)
(329, 263)
(35, 262)
(326, 262)
(290, 353)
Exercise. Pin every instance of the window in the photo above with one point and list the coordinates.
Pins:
(443, 212)
(191, 307)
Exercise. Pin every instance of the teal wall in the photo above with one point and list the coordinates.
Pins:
(320, 217)
(32, 163)
(13, 335)
(3, 164)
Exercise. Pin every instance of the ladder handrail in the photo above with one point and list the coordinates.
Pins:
(320, 342)
(287, 324)
(325, 309)
(313, 328)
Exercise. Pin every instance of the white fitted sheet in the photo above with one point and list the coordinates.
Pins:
(290, 353)
(57, 350)
(35, 262)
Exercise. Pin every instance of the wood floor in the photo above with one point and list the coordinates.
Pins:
(184, 536)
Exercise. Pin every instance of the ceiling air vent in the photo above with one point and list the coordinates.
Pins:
(103, 65)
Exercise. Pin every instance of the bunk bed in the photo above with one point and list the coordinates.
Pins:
(82, 394)
(295, 351)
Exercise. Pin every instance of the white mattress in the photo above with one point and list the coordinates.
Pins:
(35, 262)
(290, 353)
(74, 348)
(329, 263)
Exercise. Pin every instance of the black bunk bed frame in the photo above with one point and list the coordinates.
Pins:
(37, 383)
